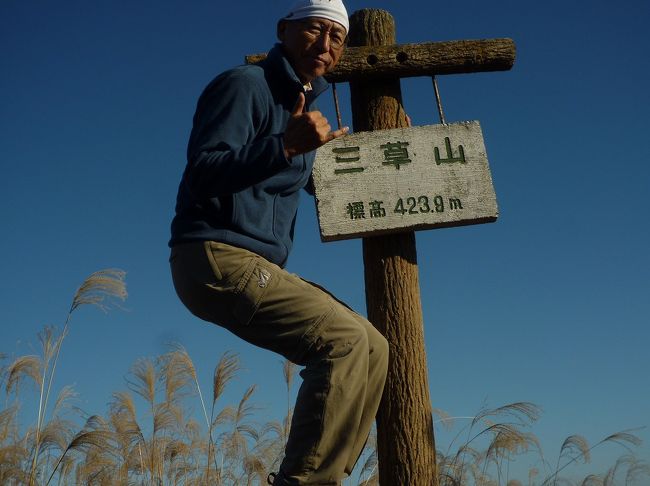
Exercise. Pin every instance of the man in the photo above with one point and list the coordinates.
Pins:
(250, 153)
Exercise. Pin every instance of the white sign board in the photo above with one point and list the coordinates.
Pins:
(414, 178)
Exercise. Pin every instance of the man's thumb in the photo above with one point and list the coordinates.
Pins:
(300, 105)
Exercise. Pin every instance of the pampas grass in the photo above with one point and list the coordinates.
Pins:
(149, 435)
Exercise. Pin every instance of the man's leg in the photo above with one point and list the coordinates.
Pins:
(377, 369)
(336, 403)
(344, 356)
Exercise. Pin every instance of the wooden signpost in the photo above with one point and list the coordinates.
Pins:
(372, 183)
(389, 188)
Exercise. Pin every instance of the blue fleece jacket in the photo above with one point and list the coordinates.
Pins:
(238, 187)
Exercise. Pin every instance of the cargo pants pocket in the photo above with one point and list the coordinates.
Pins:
(251, 290)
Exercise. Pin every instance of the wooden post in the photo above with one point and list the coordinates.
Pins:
(406, 447)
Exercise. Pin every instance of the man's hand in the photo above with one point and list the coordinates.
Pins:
(306, 131)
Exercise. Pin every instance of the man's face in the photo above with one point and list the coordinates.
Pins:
(312, 45)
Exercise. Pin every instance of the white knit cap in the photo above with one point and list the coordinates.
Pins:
(333, 10)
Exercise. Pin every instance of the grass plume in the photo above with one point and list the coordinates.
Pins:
(150, 437)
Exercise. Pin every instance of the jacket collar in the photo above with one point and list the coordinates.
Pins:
(282, 73)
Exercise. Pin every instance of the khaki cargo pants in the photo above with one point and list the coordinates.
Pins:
(344, 356)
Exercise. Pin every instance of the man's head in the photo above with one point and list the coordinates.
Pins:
(313, 35)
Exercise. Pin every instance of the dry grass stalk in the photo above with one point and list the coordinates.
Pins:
(117, 451)
(226, 369)
(581, 450)
(505, 440)
(172, 450)
(369, 474)
(523, 412)
(442, 417)
(101, 289)
(289, 371)
(24, 367)
(592, 480)
(624, 438)
(575, 446)
(179, 371)
(143, 379)
(636, 472)
(86, 440)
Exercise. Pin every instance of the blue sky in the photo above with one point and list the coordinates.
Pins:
(549, 304)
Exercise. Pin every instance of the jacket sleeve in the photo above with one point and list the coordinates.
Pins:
(225, 153)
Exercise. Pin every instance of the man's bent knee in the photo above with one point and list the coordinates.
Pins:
(339, 336)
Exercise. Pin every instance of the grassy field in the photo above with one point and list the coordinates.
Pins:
(149, 436)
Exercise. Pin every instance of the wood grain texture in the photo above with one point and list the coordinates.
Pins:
(406, 447)
(402, 179)
(425, 59)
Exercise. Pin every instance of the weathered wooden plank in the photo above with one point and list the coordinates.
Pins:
(425, 59)
(403, 179)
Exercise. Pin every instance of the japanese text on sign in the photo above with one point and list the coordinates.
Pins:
(392, 180)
